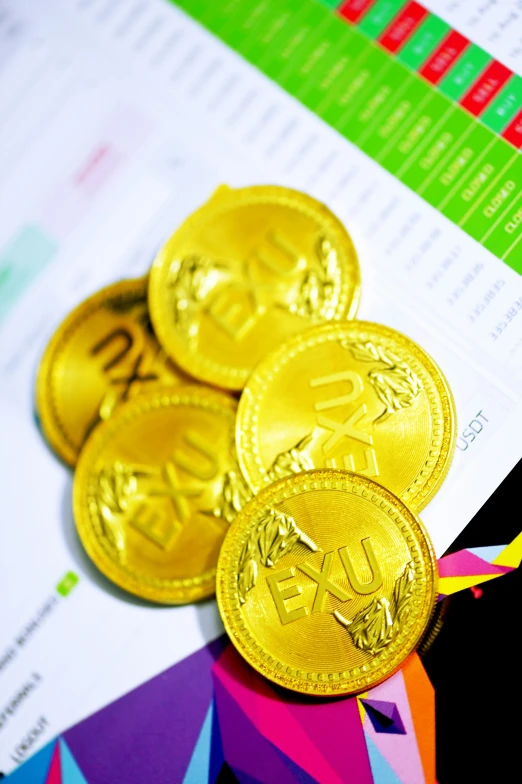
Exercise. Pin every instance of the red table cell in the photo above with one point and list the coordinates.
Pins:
(513, 132)
(353, 10)
(482, 92)
(402, 27)
(444, 56)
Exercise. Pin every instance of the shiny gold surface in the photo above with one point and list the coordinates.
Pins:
(326, 582)
(103, 353)
(356, 396)
(246, 271)
(155, 489)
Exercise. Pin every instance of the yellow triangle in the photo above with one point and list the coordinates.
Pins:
(362, 712)
(511, 555)
(449, 585)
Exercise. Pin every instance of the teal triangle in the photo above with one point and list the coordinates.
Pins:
(381, 771)
(35, 770)
(488, 553)
(197, 771)
(71, 773)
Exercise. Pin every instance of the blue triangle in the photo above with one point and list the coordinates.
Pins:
(488, 553)
(35, 770)
(71, 773)
(198, 767)
(381, 771)
(299, 774)
(217, 756)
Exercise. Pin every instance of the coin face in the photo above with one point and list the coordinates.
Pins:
(246, 271)
(326, 582)
(355, 396)
(155, 489)
(104, 353)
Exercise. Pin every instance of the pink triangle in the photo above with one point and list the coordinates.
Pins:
(268, 711)
(336, 729)
(54, 775)
(466, 564)
(400, 751)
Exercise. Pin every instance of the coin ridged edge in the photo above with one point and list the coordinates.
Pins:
(163, 591)
(228, 377)
(335, 479)
(249, 403)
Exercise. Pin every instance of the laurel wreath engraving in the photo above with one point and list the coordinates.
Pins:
(117, 486)
(275, 535)
(378, 624)
(313, 298)
(396, 384)
(234, 492)
(293, 461)
(190, 280)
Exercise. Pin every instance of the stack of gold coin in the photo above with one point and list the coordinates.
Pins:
(301, 500)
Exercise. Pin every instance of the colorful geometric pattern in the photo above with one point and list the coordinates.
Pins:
(212, 718)
(54, 764)
(467, 568)
(458, 152)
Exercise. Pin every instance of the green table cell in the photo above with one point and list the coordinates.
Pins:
(394, 122)
(331, 36)
(503, 194)
(491, 156)
(294, 42)
(451, 165)
(246, 25)
(505, 106)
(506, 237)
(464, 72)
(269, 27)
(26, 256)
(346, 67)
(330, 3)
(423, 42)
(379, 104)
(215, 16)
(460, 165)
(433, 146)
(379, 16)
(326, 70)
(416, 131)
(361, 80)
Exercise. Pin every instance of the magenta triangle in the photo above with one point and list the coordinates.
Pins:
(245, 749)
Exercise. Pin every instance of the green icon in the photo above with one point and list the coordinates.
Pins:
(67, 583)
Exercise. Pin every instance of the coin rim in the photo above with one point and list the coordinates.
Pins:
(338, 479)
(51, 421)
(195, 363)
(197, 589)
(247, 431)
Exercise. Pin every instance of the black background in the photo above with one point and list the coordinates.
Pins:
(475, 662)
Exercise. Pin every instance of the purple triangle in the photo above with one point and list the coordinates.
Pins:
(243, 778)
(384, 716)
(299, 774)
(246, 750)
(149, 734)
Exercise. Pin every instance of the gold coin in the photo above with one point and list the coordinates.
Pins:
(326, 582)
(103, 353)
(435, 626)
(155, 489)
(246, 271)
(355, 396)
